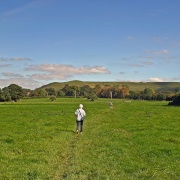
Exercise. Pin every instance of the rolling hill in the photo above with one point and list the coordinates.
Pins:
(137, 86)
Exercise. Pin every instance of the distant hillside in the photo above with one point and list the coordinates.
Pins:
(137, 86)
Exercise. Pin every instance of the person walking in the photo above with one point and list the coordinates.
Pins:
(80, 116)
(111, 105)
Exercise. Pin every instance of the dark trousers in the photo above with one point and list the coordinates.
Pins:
(79, 125)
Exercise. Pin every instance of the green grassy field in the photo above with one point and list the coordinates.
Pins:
(134, 140)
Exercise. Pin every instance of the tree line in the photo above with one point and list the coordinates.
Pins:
(14, 92)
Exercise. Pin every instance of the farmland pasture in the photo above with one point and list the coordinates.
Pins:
(134, 140)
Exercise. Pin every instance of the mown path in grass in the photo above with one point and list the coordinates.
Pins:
(71, 163)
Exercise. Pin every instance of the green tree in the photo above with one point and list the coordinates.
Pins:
(26, 92)
(147, 94)
(16, 92)
(92, 96)
(42, 93)
(160, 97)
(34, 93)
(97, 89)
(86, 90)
(115, 90)
(134, 95)
(71, 90)
(60, 93)
(106, 92)
(177, 90)
(5, 94)
(1, 95)
(51, 91)
(123, 92)
(75, 90)
(65, 89)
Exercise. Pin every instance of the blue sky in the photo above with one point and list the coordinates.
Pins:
(44, 41)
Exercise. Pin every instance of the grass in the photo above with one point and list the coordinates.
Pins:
(137, 140)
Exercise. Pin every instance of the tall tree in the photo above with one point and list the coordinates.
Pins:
(97, 89)
(16, 92)
(5, 94)
(86, 90)
(51, 91)
(147, 94)
(160, 97)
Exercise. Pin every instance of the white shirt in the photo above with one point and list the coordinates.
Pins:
(80, 113)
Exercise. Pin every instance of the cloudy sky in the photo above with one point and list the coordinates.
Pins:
(44, 41)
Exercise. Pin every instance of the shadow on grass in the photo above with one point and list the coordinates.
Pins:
(160, 105)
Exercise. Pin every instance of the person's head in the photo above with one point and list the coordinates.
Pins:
(80, 106)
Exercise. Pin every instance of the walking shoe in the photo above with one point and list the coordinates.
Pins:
(77, 131)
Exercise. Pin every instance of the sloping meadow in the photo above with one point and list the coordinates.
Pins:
(133, 140)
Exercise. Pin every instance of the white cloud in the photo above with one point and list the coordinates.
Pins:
(156, 79)
(44, 73)
(125, 80)
(28, 83)
(61, 71)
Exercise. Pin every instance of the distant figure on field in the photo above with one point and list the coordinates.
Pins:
(111, 105)
(80, 116)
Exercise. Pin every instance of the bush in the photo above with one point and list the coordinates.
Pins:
(52, 98)
(176, 101)
(92, 97)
